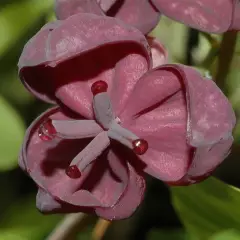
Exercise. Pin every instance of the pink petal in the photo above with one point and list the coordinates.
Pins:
(83, 49)
(210, 125)
(162, 123)
(159, 53)
(205, 15)
(133, 194)
(47, 204)
(46, 162)
(179, 132)
(236, 16)
(106, 4)
(211, 117)
(138, 13)
(67, 8)
(206, 159)
(34, 53)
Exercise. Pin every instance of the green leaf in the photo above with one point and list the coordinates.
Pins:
(227, 235)
(208, 207)
(9, 236)
(10, 82)
(17, 18)
(25, 222)
(167, 235)
(12, 131)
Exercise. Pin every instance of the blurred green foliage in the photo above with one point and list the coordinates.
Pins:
(25, 222)
(12, 131)
(226, 235)
(17, 18)
(208, 207)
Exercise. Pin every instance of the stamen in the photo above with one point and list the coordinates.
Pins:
(47, 131)
(103, 110)
(140, 146)
(99, 87)
(73, 172)
(90, 153)
(76, 129)
(127, 138)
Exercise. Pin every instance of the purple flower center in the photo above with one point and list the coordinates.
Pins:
(105, 127)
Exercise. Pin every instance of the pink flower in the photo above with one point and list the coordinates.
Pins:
(117, 118)
(215, 16)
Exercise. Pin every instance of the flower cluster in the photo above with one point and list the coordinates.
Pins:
(121, 110)
(214, 16)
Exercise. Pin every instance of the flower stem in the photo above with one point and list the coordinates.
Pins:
(68, 227)
(100, 229)
(226, 53)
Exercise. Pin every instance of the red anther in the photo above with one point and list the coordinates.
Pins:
(73, 172)
(140, 146)
(99, 87)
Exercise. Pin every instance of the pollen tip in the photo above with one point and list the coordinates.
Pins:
(140, 146)
(47, 131)
(73, 172)
(99, 87)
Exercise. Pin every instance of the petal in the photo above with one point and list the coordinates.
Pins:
(211, 117)
(138, 13)
(47, 204)
(162, 122)
(205, 15)
(184, 114)
(133, 195)
(46, 162)
(83, 49)
(76, 128)
(106, 4)
(34, 52)
(236, 16)
(67, 8)
(206, 159)
(159, 53)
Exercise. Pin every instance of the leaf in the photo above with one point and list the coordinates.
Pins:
(208, 207)
(167, 235)
(17, 18)
(86, 233)
(12, 131)
(24, 221)
(227, 235)
(9, 236)
(8, 85)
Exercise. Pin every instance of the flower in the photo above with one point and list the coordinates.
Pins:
(117, 118)
(216, 16)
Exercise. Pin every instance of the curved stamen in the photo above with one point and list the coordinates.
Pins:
(71, 129)
(90, 153)
(127, 138)
(77, 129)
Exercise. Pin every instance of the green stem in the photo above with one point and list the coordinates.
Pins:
(226, 53)
(213, 53)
